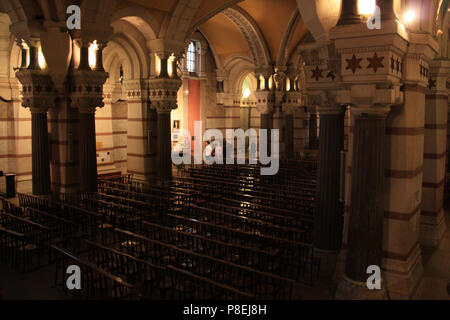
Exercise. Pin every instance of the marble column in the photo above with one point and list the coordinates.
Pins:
(164, 145)
(88, 152)
(40, 153)
(328, 223)
(366, 217)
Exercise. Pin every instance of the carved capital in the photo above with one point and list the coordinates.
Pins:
(37, 89)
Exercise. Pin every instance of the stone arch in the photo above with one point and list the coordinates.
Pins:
(252, 34)
(141, 19)
(287, 36)
(136, 41)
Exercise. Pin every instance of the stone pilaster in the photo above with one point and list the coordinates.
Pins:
(142, 131)
(433, 224)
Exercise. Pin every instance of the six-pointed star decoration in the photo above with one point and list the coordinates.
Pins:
(431, 83)
(317, 74)
(375, 62)
(353, 64)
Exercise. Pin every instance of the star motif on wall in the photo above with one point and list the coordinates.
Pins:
(331, 75)
(431, 83)
(354, 64)
(317, 73)
(375, 62)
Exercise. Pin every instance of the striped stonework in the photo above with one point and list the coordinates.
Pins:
(63, 125)
(432, 219)
(404, 172)
(141, 140)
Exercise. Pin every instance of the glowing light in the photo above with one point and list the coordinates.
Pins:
(409, 16)
(246, 94)
(288, 85)
(41, 59)
(366, 7)
(92, 54)
(170, 65)
(157, 64)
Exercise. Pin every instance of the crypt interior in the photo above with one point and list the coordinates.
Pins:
(91, 117)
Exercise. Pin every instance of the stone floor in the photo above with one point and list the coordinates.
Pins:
(433, 285)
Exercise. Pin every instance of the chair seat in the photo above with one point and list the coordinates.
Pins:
(28, 247)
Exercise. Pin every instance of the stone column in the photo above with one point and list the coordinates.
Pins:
(163, 93)
(40, 152)
(349, 13)
(313, 130)
(88, 151)
(164, 144)
(38, 96)
(86, 96)
(328, 223)
(289, 139)
(432, 219)
(365, 225)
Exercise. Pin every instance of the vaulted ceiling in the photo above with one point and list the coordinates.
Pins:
(277, 24)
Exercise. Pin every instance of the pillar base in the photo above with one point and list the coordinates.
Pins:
(403, 277)
(327, 261)
(353, 290)
(432, 229)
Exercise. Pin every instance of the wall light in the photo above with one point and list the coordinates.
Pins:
(409, 16)
(366, 7)
(41, 59)
(92, 54)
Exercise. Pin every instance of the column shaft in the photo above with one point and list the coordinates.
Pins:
(289, 129)
(40, 154)
(88, 153)
(349, 12)
(329, 216)
(365, 230)
(164, 147)
(313, 131)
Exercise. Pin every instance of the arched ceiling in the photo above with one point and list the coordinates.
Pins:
(219, 31)
(269, 21)
(262, 13)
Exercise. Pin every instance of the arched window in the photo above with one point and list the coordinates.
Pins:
(191, 58)
(246, 89)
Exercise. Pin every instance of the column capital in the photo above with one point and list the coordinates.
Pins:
(86, 90)
(164, 106)
(37, 89)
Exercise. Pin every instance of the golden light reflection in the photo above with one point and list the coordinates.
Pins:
(366, 7)
(92, 54)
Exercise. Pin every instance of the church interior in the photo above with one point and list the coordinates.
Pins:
(97, 98)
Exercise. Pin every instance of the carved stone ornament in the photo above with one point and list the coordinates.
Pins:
(37, 89)
(86, 90)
